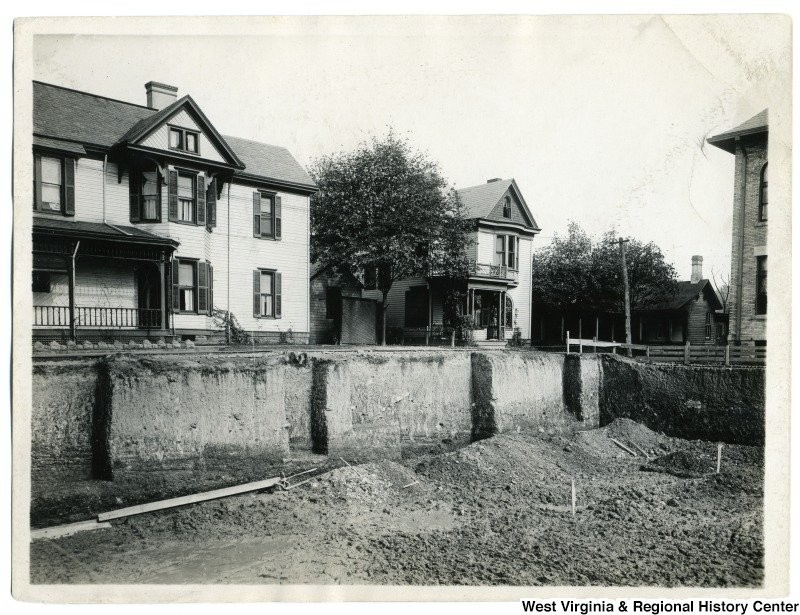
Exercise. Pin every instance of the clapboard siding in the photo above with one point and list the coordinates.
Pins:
(521, 295)
(485, 247)
(113, 285)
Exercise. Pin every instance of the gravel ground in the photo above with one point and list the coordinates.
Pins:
(496, 512)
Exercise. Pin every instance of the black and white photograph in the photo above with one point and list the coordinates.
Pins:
(425, 307)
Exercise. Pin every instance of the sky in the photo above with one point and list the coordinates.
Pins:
(600, 119)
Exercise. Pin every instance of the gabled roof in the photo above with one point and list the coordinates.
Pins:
(686, 291)
(145, 126)
(68, 119)
(727, 140)
(479, 201)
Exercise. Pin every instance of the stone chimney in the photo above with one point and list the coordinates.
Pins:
(160, 95)
(494, 179)
(697, 269)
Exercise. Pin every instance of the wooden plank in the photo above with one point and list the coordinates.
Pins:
(188, 499)
(68, 529)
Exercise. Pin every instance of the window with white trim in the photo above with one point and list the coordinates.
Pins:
(187, 272)
(186, 197)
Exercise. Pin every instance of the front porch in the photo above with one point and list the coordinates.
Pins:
(99, 282)
(447, 313)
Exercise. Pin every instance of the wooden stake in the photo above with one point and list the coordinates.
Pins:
(188, 499)
(719, 456)
(573, 497)
(623, 447)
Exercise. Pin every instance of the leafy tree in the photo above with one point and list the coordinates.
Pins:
(387, 208)
(577, 272)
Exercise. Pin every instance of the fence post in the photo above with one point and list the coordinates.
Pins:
(567, 341)
(686, 353)
(580, 345)
(647, 351)
(727, 354)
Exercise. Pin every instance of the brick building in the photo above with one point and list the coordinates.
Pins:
(748, 283)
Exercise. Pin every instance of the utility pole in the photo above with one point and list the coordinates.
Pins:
(628, 339)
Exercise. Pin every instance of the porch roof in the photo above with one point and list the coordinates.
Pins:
(76, 229)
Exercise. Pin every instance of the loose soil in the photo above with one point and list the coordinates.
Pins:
(495, 512)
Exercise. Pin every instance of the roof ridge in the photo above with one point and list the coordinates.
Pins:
(84, 92)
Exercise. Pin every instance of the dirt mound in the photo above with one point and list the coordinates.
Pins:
(683, 464)
(633, 435)
(369, 484)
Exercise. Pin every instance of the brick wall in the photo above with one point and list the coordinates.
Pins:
(749, 238)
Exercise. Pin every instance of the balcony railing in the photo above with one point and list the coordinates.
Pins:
(97, 317)
(493, 271)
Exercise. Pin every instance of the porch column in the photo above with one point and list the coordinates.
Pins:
(71, 288)
(163, 303)
(71, 293)
(499, 314)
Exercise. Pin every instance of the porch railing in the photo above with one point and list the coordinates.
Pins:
(493, 271)
(97, 317)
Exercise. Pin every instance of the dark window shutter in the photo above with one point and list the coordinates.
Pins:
(210, 289)
(202, 288)
(277, 217)
(200, 189)
(516, 264)
(172, 191)
(37, 182)
(211, 204)
(256, 214)
(69, 186)
(257, 292)
(134, 191)
(176, 298)
(278, 284)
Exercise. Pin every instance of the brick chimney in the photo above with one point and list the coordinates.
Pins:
(160, 95)
(697, 269)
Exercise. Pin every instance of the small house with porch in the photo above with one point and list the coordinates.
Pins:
(496, 294)
(149, 223)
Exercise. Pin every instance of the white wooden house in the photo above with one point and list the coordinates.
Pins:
(497, 292)
(149, 223)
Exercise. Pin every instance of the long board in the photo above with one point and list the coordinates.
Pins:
(188, 499)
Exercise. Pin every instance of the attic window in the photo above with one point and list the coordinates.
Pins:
(507, 207)
(183, 140)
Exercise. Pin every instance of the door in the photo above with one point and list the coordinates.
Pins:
(148, 287)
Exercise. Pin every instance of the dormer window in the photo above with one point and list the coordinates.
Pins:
(507, 207)
(183, 140)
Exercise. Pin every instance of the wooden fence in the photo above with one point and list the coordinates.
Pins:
(725, 355)
(686, 354)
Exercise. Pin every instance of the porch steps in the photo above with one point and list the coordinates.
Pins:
(491, 344)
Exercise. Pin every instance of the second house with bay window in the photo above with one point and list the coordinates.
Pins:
(150, 223)
(497, 291)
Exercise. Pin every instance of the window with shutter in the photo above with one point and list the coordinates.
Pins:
(201, 200)
(49, 184)
(69, 186)
(135, 185)
(256, 214)
(267, 215)
(202, 288)
(267, 293)
(172, 192)
(151, 197)
(211, 204)
(185, 284)
(176, 300)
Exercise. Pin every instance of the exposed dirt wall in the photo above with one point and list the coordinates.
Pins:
(709, 403)
(372, 406)
(63, 399)
(164, 413)
(532, 392)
